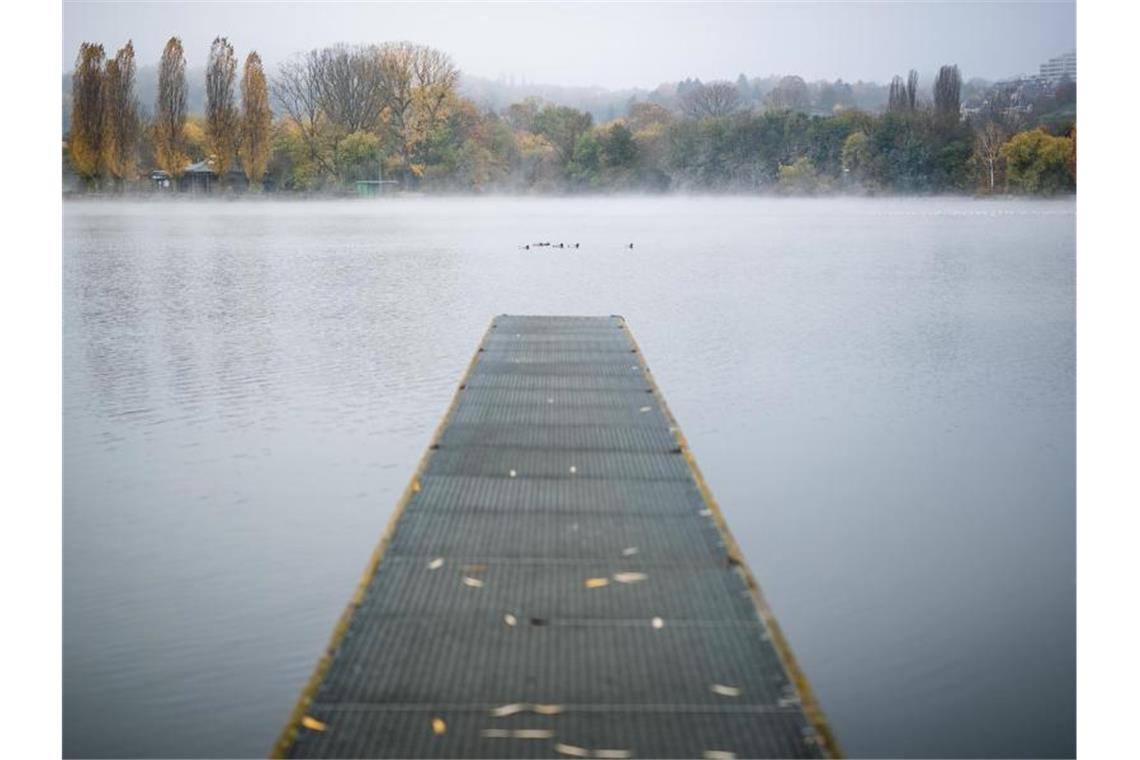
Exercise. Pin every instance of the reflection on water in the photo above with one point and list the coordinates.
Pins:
(879, 392)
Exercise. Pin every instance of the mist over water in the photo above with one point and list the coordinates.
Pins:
(879, 392)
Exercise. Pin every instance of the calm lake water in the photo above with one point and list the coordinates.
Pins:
(880, 393)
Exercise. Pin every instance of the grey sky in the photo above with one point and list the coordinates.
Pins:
(614, 45)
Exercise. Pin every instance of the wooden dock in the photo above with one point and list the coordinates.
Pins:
(557, 581)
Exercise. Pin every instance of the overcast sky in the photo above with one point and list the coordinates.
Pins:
(614, 45)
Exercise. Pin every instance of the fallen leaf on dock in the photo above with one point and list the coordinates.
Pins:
(597, 582)
(547, 709)
(612, 754)
(472, 582)
(415, 486)
(532, 733)
(438, 726)
(571, 750)
(513, 473)
(705, 513)
(505, 710)
(313, 724)
(725, 691)
(658, 622)
(630, 577)
(629, 551)
(510, 619)
(718, 754)
(645, 409)
(573, 469)
(436, 563)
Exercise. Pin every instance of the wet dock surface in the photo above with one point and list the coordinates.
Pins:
(557, 582)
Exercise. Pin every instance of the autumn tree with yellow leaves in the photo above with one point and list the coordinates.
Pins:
(417, 90)
(222, 121)
(86, 140)
(120, 131)
(170, 110)
(256, 120)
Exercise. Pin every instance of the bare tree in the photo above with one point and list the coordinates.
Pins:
(86, 140)
(222, 122)
(170, 110)
(947, 94)
(256, 120)
(791, 93)
(347, 81)
(296, 90)
(990, 138)
(711, 100)
(120, 115)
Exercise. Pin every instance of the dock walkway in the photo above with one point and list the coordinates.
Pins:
(557, 581)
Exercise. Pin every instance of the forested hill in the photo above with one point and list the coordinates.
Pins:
(601, 103)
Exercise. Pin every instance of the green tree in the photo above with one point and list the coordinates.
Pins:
(1037, 162)
(586, 165)
(619, 151)
(562, 126)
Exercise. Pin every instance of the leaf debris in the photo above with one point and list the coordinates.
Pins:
(630, 577)
(725, 691)
(313, 724)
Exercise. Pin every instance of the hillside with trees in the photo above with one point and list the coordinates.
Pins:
(330, 117)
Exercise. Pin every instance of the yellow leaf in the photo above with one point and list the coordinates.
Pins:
(597, 582)
(313, 724)
(438, 726)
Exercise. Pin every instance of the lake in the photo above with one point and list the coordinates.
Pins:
(880, 392)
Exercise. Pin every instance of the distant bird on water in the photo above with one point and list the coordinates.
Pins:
(630, 245)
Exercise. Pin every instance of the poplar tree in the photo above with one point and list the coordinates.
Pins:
(947, 94)
(170, 110)
(86, 140)
(120, 115)
(222, 123)
(256, 120)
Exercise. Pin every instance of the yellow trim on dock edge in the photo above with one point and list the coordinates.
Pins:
(808, 701)
(289, 734)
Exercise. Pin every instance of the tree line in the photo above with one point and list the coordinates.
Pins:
(342, 113)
